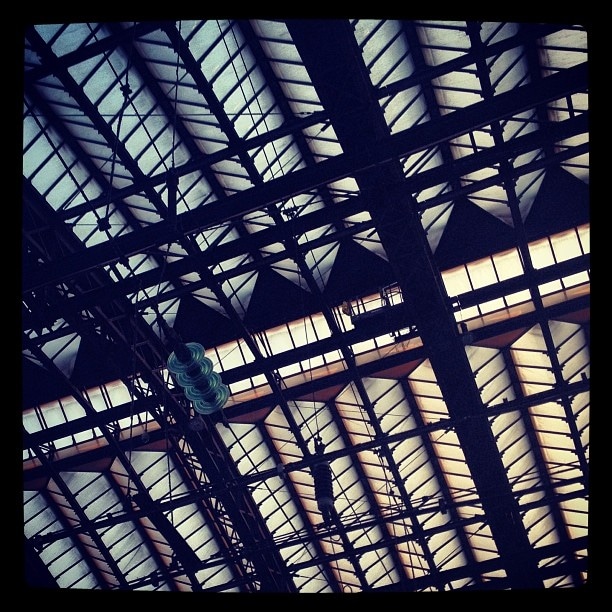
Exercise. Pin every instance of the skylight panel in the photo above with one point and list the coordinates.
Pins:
(241, 88)
(69, 409)
(560, 50)
(376, 469)
(354, 417)
(382, 572)
(107, 83)
(580, 406)
(63, 351)
(391, 406)
(351, 504)
(52, 166)
(288, 67)
(52, 414)
(193, 190)
(96, 227)
(515, 448)
(320, 260)
(62, 558)
(427, 394)
(369, 239)
(456, 281)
(257, 221)
(507, 264)
(405, 110)
(71, 37)
(282, 435)
(554, 432)
(375, 561)
(491, 375)
(131, 266)
(563, 49)
(277, 158)
(342, 188)
(216, 576)
(523, 473)
(541, 527)
(256, 115)
(415, 468)
(435, 202)
(494, 200)
(299, 92)
(570, 244)
(434, 220)
(54, 169)
(422, 161)
(323, 144)
(526, 190)
(457, 89)
(148, 136)
(508, 70)
(271, 495)
(309, 578)
(521, 124)
(218, 234)
(444, 39)
(410, 550)
(289, 269)
(122, 541)
(164, 483)
(277, 508)
(578, 165)
(385, 50)
(341, 567)
(276, 41)
(247, 447)
(469, 144)
(190, 108)
(231, 175)
(239, 290)
(481, 272)
(52, 31)
(446, 550)
(532, 363)
(203, 126)
(109, 395)
(457, 477)
(301, 204)
(576, 516)
(572, 348)
(208, 298)
(482, 544)
(211, 49)
(443, 42)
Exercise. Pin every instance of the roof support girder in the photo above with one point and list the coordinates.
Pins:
(387, 148)
(329, 51)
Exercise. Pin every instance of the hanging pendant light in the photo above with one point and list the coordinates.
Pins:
(194, 372)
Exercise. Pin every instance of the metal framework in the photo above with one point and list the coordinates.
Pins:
(379, 231)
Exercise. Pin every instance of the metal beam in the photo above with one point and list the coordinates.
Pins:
(385, 149)
(329, 50)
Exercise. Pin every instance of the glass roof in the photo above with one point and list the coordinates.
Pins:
(379, 232)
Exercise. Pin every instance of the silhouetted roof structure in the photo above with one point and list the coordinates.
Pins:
(379, 233)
